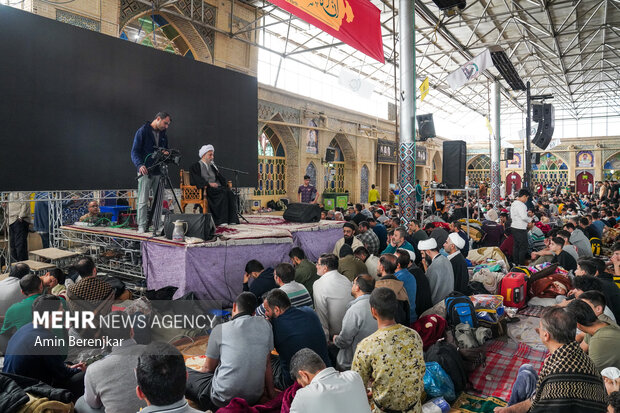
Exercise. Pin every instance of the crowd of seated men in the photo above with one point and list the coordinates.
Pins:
(335, 335)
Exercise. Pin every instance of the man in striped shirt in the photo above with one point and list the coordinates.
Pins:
(284, 276)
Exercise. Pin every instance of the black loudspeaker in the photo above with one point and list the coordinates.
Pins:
(299, 212)
(509, 153)
(535, 158)
(545, 127)
(454, 163)
(330, 154)
(426, 126)
(537, 112)
(198, 225)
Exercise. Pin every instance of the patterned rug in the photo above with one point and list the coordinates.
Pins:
(504, 357)
(532, 311)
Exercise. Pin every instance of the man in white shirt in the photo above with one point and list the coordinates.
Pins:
(520, 217)
(371, 261)
(332, 293)
(324, 389)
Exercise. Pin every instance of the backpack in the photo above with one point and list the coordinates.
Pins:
(513, 287)
(522, 269)
(459, 309)
(450, 360)
(597, 246)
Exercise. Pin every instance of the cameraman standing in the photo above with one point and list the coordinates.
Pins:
(150, 136)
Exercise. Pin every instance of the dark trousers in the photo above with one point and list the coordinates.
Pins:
(18, 238)
(45, 239)
(75, 384)
(198, 389)
(520, 247)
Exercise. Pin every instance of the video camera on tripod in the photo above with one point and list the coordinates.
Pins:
(166, 156)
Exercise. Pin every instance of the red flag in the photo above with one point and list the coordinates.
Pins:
(355, 22)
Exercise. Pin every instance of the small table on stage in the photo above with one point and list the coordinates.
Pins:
(38, 267)
(58, 258)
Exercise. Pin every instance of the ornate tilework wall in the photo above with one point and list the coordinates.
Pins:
(364, 186)
(77, 20)
(311, 172)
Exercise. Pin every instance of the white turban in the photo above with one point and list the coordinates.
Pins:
(205, 149)
(427, 244)
(457, 240)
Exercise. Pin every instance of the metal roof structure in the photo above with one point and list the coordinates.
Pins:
(568, 48)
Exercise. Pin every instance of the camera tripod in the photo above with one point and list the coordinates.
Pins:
(157, 205)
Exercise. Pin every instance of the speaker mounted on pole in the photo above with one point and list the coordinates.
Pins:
(546, 126)
(426, 126)
(509, 153)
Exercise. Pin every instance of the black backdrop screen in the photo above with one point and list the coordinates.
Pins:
(71, 101)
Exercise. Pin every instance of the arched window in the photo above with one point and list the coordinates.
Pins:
(271, 164)
(311, 172)
(550, 169)
(479, 169)
(334, 174)
(611, 168)
(364, 184)
(155, 31)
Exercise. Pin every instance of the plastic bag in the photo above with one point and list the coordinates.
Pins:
(437, 383)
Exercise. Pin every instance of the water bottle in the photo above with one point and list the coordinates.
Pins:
(436, 405)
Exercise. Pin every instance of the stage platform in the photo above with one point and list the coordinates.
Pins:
(213, 270)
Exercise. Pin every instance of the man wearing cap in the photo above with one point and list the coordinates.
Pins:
(453, 246)
(150, 136)
(438, 270)
(348, 230)
(204, 174)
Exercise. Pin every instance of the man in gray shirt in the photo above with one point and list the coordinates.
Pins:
(579, 240)
(110, 383)
(238, 359)
(357, 323)
(438, 270)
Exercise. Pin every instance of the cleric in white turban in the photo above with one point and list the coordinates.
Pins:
(221, 200)
(453, 246)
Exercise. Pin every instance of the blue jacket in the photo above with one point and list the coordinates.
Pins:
(143, 145)
(410, 285)
(44, 362)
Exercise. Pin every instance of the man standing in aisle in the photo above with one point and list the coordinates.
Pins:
(19, 217)
(307, 193)
(151, 135)
(521, 217)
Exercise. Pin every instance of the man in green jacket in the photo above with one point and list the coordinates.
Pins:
(305, 271)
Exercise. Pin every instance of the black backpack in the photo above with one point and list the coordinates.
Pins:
(450, 360)
(459, 309)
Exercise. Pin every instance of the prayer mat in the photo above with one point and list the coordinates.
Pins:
(469, 403)
(532, 311)
(504, 357)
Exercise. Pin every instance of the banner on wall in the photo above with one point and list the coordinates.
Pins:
(515, 162)
(355, 22)
(386, 151)
(585, 159)
(420, 155)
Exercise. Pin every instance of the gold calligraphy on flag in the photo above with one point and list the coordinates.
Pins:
(330, 12)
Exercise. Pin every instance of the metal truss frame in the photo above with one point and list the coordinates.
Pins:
(56, 200)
